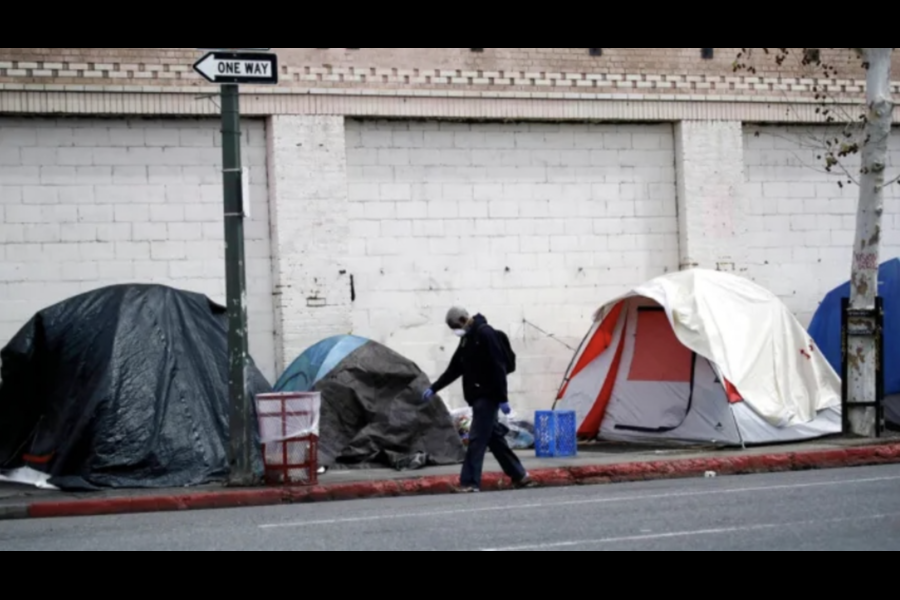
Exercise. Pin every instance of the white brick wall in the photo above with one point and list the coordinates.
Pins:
(89, 203)
(710, 171)
(800, 223)
(308, 176)
(532, 222)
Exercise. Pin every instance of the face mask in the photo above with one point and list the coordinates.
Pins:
(459, 333)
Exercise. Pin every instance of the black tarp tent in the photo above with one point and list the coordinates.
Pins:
(372, 411)
(122, 387)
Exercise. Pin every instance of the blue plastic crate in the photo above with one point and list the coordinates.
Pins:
(555, 434)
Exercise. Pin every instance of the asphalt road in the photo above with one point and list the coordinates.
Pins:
(846, 510)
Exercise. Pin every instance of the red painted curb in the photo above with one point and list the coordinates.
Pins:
(569, 476)
(146, 504)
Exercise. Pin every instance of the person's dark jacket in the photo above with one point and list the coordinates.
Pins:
(481, 361)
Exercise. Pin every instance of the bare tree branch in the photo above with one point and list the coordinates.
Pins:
(836, 147)
(815, 145)
(892, 181)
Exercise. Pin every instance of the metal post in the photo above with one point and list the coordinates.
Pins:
(845, 370)
(866, 323)
(879, 361)
(241, 439)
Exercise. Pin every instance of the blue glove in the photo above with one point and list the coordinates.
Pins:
(428, 395)
(505, 408)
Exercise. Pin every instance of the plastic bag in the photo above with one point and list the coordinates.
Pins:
(462, 420)
(27, 476)
(521, 431)
(288, 415)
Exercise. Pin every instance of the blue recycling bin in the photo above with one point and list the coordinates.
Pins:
(555, 434)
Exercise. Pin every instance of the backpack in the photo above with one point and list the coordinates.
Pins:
(507, 348)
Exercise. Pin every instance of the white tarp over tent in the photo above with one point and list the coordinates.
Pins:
(701, 355)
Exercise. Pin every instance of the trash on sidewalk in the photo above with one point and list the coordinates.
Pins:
(121, 387)
(27, 476)
(372, 414)
(521, 431)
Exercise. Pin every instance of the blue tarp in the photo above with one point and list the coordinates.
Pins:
(825, 328)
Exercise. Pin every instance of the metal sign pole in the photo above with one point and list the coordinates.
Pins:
(236, 290)
(230, 67)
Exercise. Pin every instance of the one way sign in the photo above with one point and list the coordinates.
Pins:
(238, 67)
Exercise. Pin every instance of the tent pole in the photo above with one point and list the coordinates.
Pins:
(737, 426)
(575, 357)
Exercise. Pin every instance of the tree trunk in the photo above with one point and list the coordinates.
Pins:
(864, 288)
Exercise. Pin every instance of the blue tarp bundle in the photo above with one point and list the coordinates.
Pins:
(825, 329)
(372, 409)
(122, 387)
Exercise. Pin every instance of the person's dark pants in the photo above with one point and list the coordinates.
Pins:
(487, 433)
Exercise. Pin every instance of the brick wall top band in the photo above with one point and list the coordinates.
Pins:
(645, 71)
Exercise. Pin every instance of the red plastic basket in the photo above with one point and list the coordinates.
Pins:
(292, 459)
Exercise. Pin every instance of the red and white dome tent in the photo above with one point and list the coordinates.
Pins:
(700, 356)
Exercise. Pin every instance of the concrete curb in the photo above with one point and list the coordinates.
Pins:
(882, 454)
(14, 512)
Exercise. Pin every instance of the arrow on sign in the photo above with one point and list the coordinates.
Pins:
(238, 67)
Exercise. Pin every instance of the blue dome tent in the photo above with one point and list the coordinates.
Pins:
(372, 413)
(314, 364)
(825, 329)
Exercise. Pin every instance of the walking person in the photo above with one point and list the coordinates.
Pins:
(483, 362)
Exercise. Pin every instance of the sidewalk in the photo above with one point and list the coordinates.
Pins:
(595, 464)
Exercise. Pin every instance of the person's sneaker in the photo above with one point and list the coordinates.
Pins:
(526, 483)
(466, 489)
